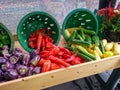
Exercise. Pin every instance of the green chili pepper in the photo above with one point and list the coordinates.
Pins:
(1, 44)
(79, 37)
(81, 33)
(73, 35)
(82, 43)
(89, 32)
(5, 39)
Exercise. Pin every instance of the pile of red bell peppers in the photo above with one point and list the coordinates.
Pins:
(51, 56)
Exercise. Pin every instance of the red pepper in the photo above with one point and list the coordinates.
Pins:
(41, 62)
(66, 51)
(50, 39)
(43, 44)
(44, 52)
(45, 55)
(54, 51)
(83, 61)
(32, 39)
(49, 45)
(32, 36)
(66, 56)
(54, 66)
(31, 44)
(39, 40)
(46, 39)
(46, 66)
(58, 61)
(71, 58)
(60, 53)
(60, 56)
(61, 66)
(77, 60)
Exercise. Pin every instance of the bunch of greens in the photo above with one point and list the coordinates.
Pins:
(111, 18)
(114, 24)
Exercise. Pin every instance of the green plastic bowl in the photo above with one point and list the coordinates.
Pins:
(5, 30)
(80, 17)
(34, 21)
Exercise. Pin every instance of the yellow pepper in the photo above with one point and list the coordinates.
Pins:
(107, 54)
(67, 33)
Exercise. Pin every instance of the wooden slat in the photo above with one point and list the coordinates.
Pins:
(51, 78)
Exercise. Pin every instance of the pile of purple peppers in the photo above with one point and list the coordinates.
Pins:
(18, 64)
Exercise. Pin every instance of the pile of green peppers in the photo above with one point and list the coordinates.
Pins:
(4, 38)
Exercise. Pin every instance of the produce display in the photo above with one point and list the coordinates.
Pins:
(51, 56)
(17, 64)
(44, 57)
(82, 45)
(87, 45)
(34, 21)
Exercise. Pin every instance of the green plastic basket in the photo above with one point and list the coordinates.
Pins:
(4, 31)
(80, 17)
(34, 21)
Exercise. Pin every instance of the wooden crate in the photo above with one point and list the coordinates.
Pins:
(55, 77)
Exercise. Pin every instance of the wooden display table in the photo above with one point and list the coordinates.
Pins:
(55, 77)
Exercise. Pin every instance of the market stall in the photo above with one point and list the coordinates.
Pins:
(41, 54)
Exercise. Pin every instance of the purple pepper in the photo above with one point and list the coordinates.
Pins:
(13, 59)
(5, 52)
(36, 70)
(35, 60)
(26, 59)
(5, 47)
(1, 75)
(6, 66)
(33, 53)
(22, 70)
(30, 69)
(1, 72)
(17, 52)
(11, 74)
(2, 60)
